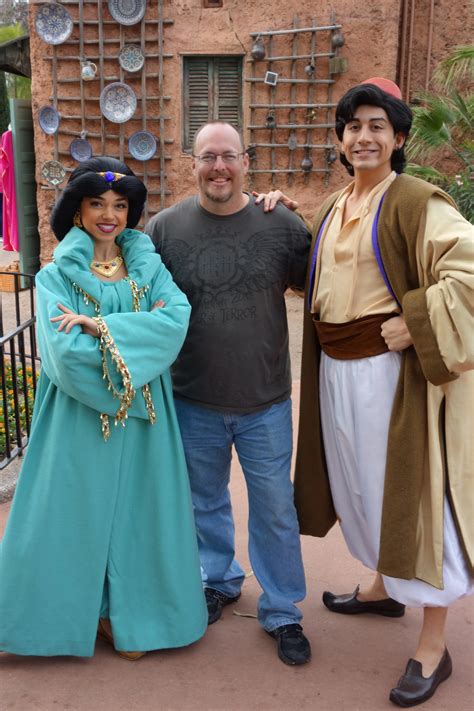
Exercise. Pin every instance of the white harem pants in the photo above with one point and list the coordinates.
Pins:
(356, 399)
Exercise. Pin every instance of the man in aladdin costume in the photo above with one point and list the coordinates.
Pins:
(385, 438)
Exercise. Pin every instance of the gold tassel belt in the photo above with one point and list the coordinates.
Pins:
(360, 338)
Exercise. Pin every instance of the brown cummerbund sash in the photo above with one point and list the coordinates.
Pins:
(360, 338)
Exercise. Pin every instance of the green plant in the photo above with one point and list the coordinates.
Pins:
(25, 404)
(443, 125)
(9, 32)
(17, 87)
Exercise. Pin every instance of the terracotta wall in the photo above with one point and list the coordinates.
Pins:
(372, 35)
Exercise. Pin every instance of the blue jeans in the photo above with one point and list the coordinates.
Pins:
(263, 442)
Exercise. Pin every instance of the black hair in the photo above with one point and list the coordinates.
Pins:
(399, 115)
(85, 181)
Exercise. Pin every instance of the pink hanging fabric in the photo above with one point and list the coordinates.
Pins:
(7, 178)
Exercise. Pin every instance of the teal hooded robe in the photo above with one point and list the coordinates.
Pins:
(103, 528)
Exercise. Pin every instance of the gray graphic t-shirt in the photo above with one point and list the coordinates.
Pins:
(234, 270)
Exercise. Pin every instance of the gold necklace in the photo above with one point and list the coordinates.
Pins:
(108, 268)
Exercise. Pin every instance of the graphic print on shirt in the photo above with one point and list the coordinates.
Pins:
(220, 272)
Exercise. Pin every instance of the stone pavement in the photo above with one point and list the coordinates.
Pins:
(356, 660)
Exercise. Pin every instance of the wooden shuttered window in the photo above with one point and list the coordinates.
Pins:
(212, 89)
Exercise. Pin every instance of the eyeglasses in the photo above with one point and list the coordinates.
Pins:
(210, 158)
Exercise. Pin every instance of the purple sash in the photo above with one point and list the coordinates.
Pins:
(376, 248)
(313, 260)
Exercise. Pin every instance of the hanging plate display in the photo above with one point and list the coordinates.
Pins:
(142, 145)
(127, 12)
(131, 58)
(80, 149)
(48, 119)
(53, 172)
(53, 23)
(118, 102)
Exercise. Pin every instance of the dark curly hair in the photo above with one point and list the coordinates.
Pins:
(85, 181)
(399, 115)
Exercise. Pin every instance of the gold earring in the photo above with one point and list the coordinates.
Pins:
(77, 222)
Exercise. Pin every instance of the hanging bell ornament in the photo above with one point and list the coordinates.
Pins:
(306, 164)
(337, 40)
(252, 151)
(309, 69)
(258, 50)
(292, 142)
(331, 156)
(270, 121)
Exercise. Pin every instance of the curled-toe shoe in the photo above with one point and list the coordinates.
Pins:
(349, 605)
(413, 688)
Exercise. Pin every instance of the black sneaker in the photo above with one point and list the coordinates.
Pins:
(215, 601)
(293, 647)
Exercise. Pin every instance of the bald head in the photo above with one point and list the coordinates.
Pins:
(206, 128)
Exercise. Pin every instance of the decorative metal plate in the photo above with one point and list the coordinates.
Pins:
(53, 23)
(80, 149)
(53, 172)
(48, 119)
(118, 102)
(142, 145)
(131, 58)
(127, 12)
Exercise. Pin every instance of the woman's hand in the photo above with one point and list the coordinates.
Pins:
(271, 199)
(69, 319)
(158, 304)
(396, 334)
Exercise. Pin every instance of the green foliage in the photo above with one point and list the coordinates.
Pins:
(9, 32)
(457, 69)
(431, 125)
(4, 108)
(461, 190)
(426, 172)
(24, 403)
(17, 87)
(443, 126)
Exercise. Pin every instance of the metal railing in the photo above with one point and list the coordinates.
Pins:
(19, 363)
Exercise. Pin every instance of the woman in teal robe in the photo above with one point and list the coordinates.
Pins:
(101, 525)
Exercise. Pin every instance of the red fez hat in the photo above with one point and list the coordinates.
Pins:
(386, 85)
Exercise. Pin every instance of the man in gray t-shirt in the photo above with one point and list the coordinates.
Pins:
(232, 380)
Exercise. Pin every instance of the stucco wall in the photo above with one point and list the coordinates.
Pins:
(371, 31)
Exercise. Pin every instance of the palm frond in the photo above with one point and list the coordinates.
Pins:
(455, 70)
(428, 173)
(464, 109)
(431, 126)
